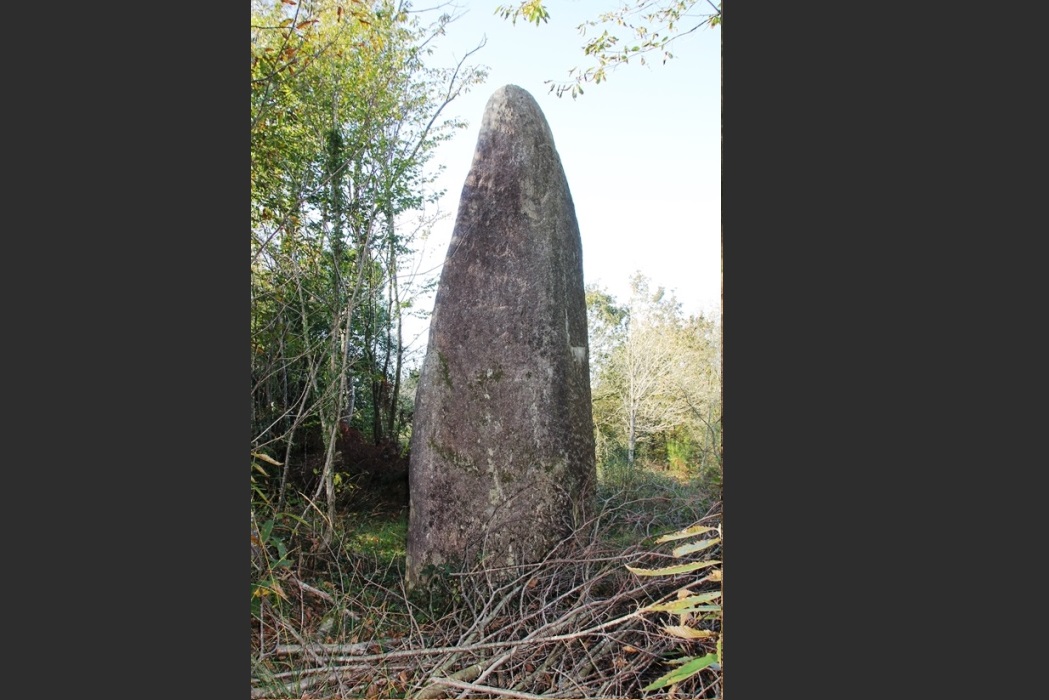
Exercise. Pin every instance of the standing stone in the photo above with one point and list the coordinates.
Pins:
(502, 451)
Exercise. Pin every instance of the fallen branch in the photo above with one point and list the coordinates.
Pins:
(315, 591)
(487, 689)
(576, 625)
(436, 691)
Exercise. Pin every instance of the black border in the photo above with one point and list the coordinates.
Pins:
(816, 309)
(182, 130)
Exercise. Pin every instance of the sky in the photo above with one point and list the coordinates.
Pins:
(641, 151)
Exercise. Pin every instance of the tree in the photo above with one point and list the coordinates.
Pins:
(345, 115)
(697, 384)
(606, 326)
(653, 25)
(645, 364)
(656, 377)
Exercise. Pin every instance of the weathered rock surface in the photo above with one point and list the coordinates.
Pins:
(502, 453)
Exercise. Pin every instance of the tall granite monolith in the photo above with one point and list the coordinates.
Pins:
(502, 451)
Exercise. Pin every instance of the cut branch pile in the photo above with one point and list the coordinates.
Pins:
(571, 626)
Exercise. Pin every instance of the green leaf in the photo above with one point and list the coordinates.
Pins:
(693, 608)
(686, 670)
(671, 570)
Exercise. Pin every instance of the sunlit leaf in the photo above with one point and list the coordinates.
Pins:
(687, 532)
(262, 591)
(266, 458)
(688, 632)
(684, 604)
(695, 546)
(671, 570)
(686, 670)
(687, 608)
(704, 609)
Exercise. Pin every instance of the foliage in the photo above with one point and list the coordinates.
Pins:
(272, 555)
(692, 607)
(345, 116)
(606, 326)
(655, 382)
(652, 25)
(532, 10)
(271, 559)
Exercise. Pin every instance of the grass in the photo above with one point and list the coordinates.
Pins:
(384, 540)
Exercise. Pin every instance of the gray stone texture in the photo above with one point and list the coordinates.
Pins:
(502, 452)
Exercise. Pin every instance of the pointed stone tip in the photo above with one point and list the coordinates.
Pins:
(511, 95)
(512, 108)
(510, 87)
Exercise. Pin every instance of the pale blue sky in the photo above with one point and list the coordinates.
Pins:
(642, 151)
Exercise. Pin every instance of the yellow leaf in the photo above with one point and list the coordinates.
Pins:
(671, 570)
(263, 591)
(686, 604)
(688, 632)
(266, 458)
(712, 576)
(695, 546)
(687, 532)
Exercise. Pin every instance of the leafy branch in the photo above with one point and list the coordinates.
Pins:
(691, 607)
(652, 25)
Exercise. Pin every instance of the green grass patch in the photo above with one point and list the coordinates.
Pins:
(385, 540)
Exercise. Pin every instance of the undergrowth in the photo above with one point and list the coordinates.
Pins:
(331, 617)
